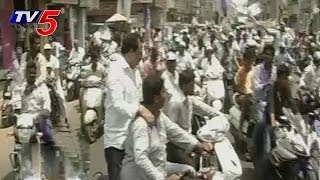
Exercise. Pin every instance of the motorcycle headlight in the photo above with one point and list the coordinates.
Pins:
(24, 135)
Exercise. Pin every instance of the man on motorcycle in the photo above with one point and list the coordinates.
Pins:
(95, 68)
(35, 99)
(34, 55)
(310, 78)
(145, 149)
(283, 57)
(55, 64)
(184, 59)
(77, 52)
(213, 76)
(171, 75)
(180, 109)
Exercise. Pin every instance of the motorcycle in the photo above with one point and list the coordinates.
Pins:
(215, 90)
(309, 101)
(295, 153)
(22, 158)
(72, 85)
(5, 110)
(225, 162)
(92, 107)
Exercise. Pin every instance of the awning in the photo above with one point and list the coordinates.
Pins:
(117, 18)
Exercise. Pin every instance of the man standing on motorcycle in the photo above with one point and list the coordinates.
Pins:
(55, 64)
(122, 104)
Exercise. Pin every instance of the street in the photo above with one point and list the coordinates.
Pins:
(96, 153)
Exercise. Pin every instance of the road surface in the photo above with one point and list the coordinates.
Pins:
(96, 150)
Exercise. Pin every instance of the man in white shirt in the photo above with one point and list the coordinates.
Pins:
(35, 56)
(282, 57)
(310, 78)
(171, 75)
(124, 94)
(53, 62)
(77, 52)
(34, 99)
(180, 109)
(184, 59)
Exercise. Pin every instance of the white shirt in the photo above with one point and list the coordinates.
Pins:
(311, 77)
(41, 67)
(145, 148)
(77, 56)
(282, 59)
(111, 47)
(185, 62)
(213, 70)
(18, 75)
(36, 101)
(124, 94)
(53, 63)
(171, 82)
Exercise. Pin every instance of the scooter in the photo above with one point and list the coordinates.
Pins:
(295, 155)
(73, 73)
(227, 163)
(22, 158)
(215, 89)
(92, 107)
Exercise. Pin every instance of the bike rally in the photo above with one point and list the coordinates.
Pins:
(229, 91)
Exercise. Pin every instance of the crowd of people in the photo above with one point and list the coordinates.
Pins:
(152, 89)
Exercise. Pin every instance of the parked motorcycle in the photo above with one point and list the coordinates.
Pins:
(92, 107)
(73, 72)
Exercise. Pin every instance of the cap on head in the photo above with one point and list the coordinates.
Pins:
(47, 47)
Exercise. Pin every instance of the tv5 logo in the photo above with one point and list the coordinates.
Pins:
(40, 17)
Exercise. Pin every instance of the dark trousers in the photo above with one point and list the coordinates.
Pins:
(114, 159)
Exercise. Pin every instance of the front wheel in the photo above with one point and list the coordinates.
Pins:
(91, 131)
